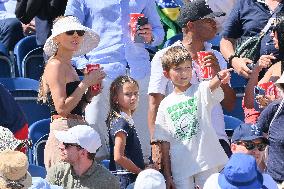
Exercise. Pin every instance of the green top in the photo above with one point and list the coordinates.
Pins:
(97, 176)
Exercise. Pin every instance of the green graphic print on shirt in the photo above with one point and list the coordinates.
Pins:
(184, 118)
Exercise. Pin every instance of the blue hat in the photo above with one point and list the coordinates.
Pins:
(247, 131)
(240, 173)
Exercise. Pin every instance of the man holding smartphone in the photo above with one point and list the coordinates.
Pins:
(117, 53)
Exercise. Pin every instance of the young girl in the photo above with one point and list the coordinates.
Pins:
(126, 158)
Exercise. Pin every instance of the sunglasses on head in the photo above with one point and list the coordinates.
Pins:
(79, 32)
(250, 145)
(67, 145)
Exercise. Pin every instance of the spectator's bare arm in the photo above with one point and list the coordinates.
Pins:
(239, 64)
(154, 102)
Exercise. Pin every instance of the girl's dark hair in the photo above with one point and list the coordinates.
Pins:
(279, 28)
(114, 110)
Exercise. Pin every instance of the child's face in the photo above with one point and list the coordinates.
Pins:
(128, 96)
(181, 74)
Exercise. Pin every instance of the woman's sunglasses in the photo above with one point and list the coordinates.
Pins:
(79, 32)
(249, 145)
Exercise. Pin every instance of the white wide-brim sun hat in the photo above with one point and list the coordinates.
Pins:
(68, 23)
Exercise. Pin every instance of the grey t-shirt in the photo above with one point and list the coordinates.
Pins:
(97, 176)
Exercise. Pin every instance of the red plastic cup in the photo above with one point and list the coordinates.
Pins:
(91, 67)
(205, 72)
(269, 87)
(133, 23)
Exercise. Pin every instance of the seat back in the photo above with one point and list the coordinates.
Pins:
(230, 124)
(238, 82)
(22, 48)
(38, 133)
(238, 111)
(6, 65)
(105, 163)
(25, 92)
(37, 171)
(33, 64)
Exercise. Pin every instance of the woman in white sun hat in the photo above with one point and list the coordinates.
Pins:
(60, 86)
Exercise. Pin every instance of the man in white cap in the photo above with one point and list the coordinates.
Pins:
(78, 147)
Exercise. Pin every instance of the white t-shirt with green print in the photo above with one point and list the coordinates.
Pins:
(184, 120)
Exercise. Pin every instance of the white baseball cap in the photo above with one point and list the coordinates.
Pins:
(150, 179)
(83, 135)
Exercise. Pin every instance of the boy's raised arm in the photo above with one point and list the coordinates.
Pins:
(222, 76)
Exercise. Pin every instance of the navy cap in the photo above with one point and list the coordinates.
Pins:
(196, 10)
(247, 131)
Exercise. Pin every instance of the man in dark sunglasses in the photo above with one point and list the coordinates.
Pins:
(249, 139)
(79, 169)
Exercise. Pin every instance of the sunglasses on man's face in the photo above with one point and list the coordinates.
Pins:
(67, 145)
(250, 145)
(79, 32)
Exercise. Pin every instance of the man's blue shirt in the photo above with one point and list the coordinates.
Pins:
(248, 18)
(110, 20)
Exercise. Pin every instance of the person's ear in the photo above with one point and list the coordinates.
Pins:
(189, 25)
(166, 74)
(233, 147)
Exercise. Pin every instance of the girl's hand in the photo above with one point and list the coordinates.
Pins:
(225, 76)
(264, 100)
(264, 61)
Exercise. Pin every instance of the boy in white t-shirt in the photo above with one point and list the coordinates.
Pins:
(190, 148)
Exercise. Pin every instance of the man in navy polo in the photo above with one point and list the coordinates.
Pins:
(248, 18)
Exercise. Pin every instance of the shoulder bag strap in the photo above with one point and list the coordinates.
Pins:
(277, 112)
(271, 20)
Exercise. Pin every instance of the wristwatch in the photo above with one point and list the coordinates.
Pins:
(231, 58)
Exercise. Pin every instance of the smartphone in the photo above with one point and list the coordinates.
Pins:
(251, 66)
(140, 22)
(258, 91)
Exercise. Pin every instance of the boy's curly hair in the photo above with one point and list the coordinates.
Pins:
(175, 56)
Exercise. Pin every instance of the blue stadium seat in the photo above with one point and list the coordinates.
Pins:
(238, 82)
(230, 124)
(38, 133)
(25, 92)
(105, 163)
(238, 111)
(22, 48)
(6, 65)
(37, 171)
(33, 64)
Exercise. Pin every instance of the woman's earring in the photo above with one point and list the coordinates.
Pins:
(55, 47)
